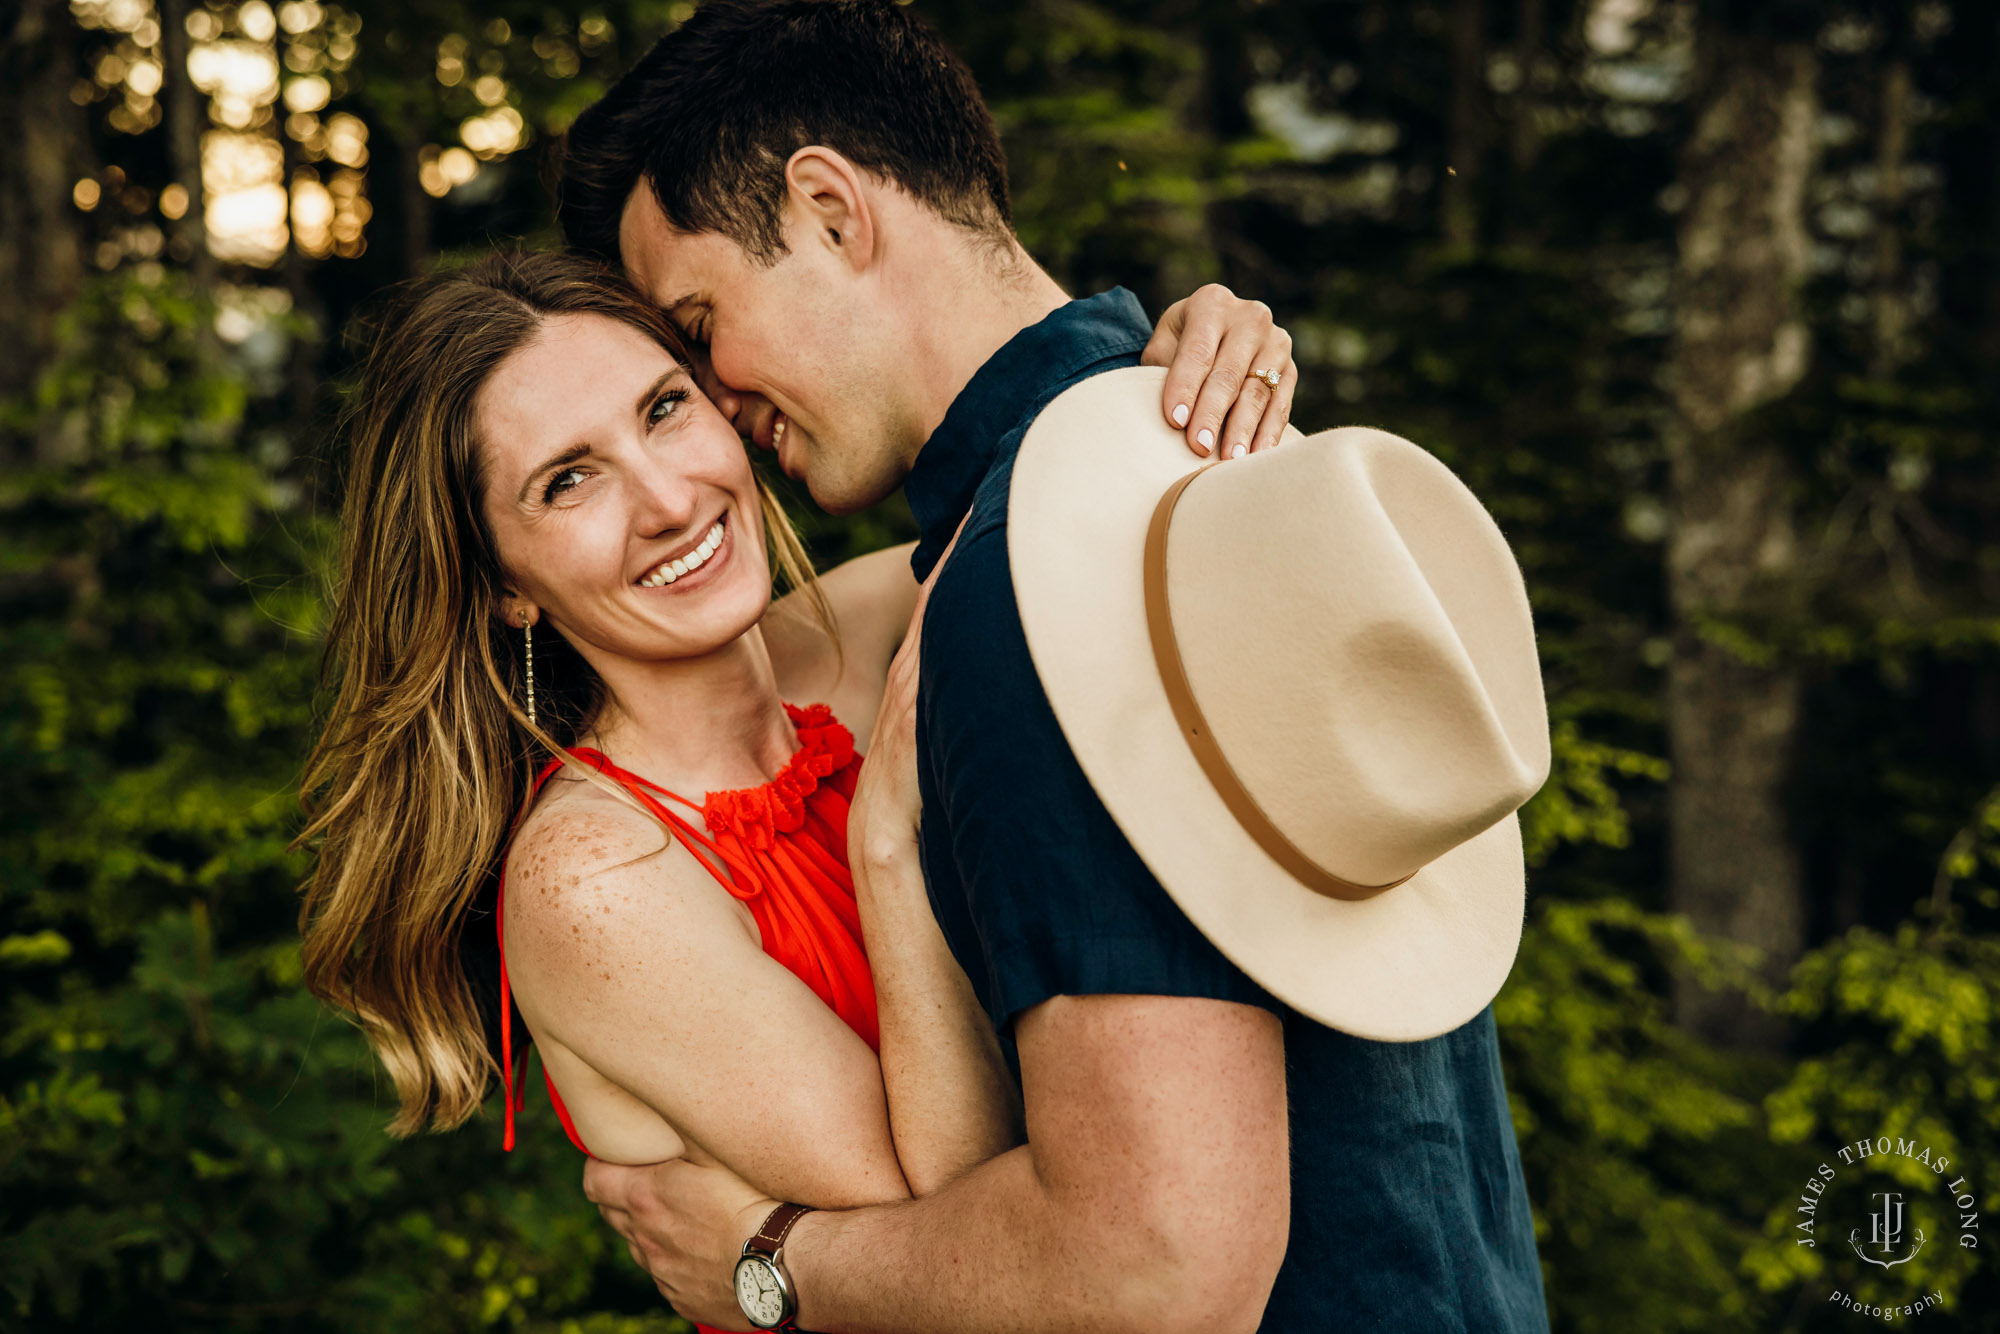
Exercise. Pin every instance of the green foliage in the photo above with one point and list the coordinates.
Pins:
(1579, 803)
(1626, 1123)
(1618, 1111)
(1920, 1059)
(187, 1140)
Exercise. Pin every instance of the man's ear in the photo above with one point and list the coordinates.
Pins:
(829, 195)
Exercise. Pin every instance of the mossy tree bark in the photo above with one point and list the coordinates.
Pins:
(1740, 343)
(47, 149)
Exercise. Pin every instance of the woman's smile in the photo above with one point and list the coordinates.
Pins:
(695, 566)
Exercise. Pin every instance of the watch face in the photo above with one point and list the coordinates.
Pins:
(758, 1293)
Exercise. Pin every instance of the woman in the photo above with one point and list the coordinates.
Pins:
(553, 616)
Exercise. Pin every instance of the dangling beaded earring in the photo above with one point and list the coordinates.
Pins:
(528, 637)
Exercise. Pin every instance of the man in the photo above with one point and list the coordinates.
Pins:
(815, 191)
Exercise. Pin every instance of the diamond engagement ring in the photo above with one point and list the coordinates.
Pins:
(1269, 377)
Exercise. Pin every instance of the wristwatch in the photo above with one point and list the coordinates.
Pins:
(763, 1288)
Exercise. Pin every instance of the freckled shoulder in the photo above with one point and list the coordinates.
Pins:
(574, 833)
(584, 862)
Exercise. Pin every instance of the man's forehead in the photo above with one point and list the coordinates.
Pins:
(664, 261)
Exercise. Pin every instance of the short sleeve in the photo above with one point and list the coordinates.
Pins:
(1045, 893)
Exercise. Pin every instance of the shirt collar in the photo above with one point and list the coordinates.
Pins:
(1028, 370)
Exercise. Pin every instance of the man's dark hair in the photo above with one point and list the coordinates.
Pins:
(709, 117)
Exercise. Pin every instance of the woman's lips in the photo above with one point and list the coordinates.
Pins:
(696, 565)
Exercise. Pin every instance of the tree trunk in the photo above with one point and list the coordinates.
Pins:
(1524, 139)
(1740, 342)
(1892, 150)
(413, 204)
(302, 374)
(47, 149)
(186, 114)
(1524, 135)
(1465, 141)
(1982, 33)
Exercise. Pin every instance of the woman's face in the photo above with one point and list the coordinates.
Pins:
(606, 471)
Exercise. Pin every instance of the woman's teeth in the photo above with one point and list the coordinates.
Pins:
(778, 432)
(687, 564)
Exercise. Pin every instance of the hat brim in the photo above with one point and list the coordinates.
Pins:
(1409, 963)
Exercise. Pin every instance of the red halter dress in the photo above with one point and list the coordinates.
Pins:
(780, 848)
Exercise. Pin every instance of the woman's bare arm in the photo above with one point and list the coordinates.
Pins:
(952, 1101)
(634, 965)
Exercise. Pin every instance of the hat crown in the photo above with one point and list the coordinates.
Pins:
(1357, 637)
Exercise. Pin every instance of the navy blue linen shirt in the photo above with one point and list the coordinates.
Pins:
(1409, 1213)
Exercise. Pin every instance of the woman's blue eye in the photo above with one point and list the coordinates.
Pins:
(663, 405)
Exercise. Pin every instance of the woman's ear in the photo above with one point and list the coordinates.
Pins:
(516, 611)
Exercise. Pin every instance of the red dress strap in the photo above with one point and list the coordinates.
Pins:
(780, 848)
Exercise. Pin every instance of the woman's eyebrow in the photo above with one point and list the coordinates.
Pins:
(652, 391)
(562, 459)
(581, 449)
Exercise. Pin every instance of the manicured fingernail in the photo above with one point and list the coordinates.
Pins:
(1204, 437)
(1180, 414)
(1236, 451)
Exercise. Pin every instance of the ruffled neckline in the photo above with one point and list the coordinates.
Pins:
(757, 815)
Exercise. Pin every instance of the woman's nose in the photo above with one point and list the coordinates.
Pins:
(665, 503)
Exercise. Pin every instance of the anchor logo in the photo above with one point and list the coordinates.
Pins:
(1885, 1231)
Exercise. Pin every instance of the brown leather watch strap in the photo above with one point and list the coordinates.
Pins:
(778, 1223)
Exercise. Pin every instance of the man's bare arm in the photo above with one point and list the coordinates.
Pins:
(1153, 1196)
(1154, 1193)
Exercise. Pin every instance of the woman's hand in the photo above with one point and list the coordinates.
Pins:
(883, 816)
(1213, 343)
(882, 819)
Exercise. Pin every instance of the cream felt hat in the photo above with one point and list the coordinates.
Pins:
(1319, 733)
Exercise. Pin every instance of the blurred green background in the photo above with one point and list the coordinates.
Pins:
(1703, 298)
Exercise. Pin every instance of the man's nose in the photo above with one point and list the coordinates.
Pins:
(749, 412)
(727, 401)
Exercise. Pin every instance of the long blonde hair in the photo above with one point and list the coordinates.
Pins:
(427, 753)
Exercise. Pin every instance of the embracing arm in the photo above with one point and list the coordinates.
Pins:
(871, 597)
(1153, 1195)
(952, 1104)
(1154, 1190)
(1210, 341)
(638, 972)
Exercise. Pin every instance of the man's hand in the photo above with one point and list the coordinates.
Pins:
(1212, 342)
(685, 1226)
